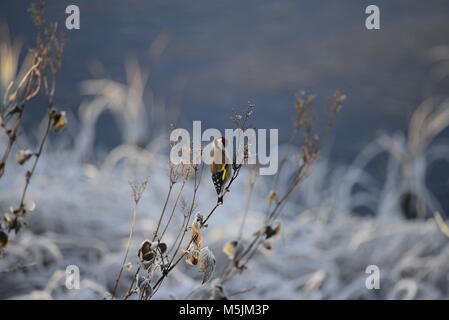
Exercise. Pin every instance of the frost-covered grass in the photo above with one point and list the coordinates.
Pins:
(83, 214)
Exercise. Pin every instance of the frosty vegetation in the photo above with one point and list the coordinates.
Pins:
(139, 228)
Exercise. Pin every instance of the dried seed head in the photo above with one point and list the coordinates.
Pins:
(146, 252)
(272, 197)
(232, 249)
(146, 292)
(23, 156)
(58, 120)
(337, 103)
(17, 222)
(4, 240)
(144, 288)
(271, 235)
(197, 223)
(274, 232)
(162, 247)
(193, 258)
(7, 218)
(199, 217)
(270, 232)
(196, 230)
(128, 266)
(187, 171)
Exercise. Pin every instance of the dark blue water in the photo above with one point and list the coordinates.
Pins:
(222, 54)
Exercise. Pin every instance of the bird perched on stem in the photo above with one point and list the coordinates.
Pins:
(220, 167)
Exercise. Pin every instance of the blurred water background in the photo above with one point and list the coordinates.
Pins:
(216, 55)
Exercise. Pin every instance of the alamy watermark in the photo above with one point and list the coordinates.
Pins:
(372, 22)
(373, 280)
(72, 277)
(249, 146)
(73, 20)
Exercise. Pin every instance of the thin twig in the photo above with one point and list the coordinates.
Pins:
(167, 198)
(30, 173)
(137, 193)
(252, 182)
(173, 209)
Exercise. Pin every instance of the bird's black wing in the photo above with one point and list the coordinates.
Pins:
(217, 179)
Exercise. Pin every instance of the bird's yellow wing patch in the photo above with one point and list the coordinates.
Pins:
(223, 168)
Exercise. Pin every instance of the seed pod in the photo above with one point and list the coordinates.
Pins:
(157, 245)
(270, 232)
(128, 266)
(23, 156)
(146, 252)
(144, 288)
(196, 230)
(4, 240)
(274, 232)
(272, 197)
(162, 247)
(232, 249)
(193, 258)
(206, 263)
(58, 120)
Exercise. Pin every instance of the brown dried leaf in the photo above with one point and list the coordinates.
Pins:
(196, 230)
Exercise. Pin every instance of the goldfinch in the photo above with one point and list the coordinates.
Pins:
(220, 167)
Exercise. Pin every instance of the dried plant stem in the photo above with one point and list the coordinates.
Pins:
(137, 195)
(300, 175)
(444, 228)
(185, 223)
(210, 213)
(181, 189)
(248, 253)
(130, 290)
(186, 220)
(252, 183)
(12, 138)
(18, 108)
(30, 173)
(167, 198)
(184, 231)
(309, 151)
